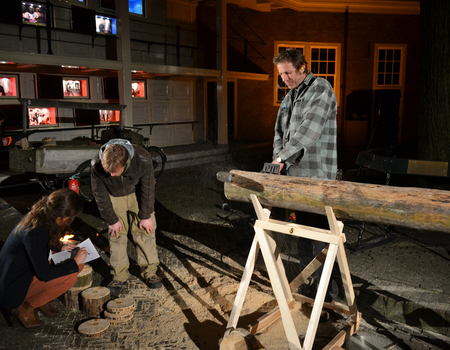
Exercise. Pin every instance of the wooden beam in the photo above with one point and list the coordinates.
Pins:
(418, 208)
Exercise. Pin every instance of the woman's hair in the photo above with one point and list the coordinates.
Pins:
(59, 204)
(114, 156)
(291, 55)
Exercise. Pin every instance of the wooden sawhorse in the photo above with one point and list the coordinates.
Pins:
(283, 290)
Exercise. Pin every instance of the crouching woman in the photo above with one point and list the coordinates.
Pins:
(28, 280)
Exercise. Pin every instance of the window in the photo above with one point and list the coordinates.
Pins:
(323, 60)
(389, 62)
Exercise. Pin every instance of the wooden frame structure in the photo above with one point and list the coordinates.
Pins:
(283, 290)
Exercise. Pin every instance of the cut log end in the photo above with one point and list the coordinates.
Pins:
(239, 339)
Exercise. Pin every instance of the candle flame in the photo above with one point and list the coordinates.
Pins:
(66, 238)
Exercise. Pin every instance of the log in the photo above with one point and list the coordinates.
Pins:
(417, 208)
(94, 300)
(84, 281)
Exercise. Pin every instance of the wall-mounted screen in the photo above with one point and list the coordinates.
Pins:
(42, 117)
(33, 13)
(76, 87)
(8, 87)
(135, 6)
(138, 89)
(109, 116)
(105, 25)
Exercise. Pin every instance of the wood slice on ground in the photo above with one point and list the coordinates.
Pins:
(121, 305)
(84, 277)
(119, 317)
(94, 299)
(94, 328)
(119, 321)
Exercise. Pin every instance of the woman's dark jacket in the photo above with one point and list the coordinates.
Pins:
(24, 255)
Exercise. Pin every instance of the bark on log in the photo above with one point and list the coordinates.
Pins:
(84, 281)
(418, 208)
(94, 300)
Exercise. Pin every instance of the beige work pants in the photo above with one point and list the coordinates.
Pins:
(127, 208)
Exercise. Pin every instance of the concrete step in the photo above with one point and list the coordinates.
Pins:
(192, 155)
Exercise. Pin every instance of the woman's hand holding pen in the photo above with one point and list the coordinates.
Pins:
(81, 256)
(68, 246)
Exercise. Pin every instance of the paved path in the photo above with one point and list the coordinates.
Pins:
(404, 285)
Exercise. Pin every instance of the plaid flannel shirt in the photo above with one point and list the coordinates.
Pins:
(305, 131)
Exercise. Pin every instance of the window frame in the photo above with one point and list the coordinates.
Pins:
(400, 86)
(307, 48)
(402, 48)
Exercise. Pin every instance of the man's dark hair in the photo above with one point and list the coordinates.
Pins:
(291, 55)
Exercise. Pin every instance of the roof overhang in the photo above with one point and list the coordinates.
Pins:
(354, 6)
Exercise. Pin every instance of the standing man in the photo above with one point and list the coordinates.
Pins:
(123, 185)
(305, 142)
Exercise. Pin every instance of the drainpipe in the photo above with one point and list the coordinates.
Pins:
(222, 89)
(344, 77)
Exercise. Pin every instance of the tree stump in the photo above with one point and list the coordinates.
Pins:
(84, 281)
(94, 299)
(94, 328)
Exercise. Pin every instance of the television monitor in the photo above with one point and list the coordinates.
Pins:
(76, 87)
(138, 89)
(42, 117)
(8, 87)
(109, 116)
(33, 13)
(136, 7)
(105, 25)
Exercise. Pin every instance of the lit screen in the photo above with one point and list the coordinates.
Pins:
(135, 6)
(105, 25)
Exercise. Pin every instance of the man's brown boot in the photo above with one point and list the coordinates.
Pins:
(26, 316)
(49, 310)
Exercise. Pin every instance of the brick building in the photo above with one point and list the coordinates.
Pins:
(157, 65)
